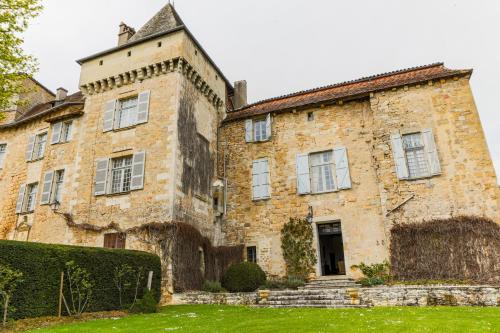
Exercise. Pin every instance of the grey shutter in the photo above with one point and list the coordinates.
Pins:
(249, 130)
(47, 187)
(29, 148)
(303, 179)
(399, 156)
(20, 199)
(143, 107)
(109, 116)
(138, 171)
(56, 133)
(431, 151)
(268, 127)
(101, 175)
(260, 179)
(342, 168)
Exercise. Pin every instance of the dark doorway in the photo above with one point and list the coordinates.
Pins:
(331, 249)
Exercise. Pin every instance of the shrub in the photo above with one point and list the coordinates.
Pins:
(244, 277)
(147, 304)
(290, 282)
(213, 287)
(463, 248)
(375, 274)
(298, 252)
(42, 264)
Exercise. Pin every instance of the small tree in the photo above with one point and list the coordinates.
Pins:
(122, 278)
(297, 246)
(80, 287)
(9, 279)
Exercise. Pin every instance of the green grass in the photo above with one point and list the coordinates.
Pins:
(203, 318)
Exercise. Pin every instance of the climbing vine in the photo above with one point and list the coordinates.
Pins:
(297, 246)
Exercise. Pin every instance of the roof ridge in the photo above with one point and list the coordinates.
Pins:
(362, 79)
(165, 19)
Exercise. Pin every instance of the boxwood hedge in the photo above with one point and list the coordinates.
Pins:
(41, 264)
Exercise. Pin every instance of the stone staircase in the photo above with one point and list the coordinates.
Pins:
(337, 292)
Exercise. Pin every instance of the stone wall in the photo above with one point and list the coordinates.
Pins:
(215, 299)
(467, 184)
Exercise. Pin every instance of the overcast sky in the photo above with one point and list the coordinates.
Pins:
(284, 46)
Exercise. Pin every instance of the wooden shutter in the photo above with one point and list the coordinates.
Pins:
(249, 130)
(399, 156)
(431, 152)
(29, 148)
(101, 175)
(47, 187)
(268, 127)
(143, 107)
(20, 199)
(303, 179)
(138, 171)
(56, 133)
(342, 168)
(260, 179)
(109, 116)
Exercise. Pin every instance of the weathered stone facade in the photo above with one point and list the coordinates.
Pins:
(192, 162)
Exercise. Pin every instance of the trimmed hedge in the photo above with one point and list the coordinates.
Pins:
(41, 264)
(244, 277)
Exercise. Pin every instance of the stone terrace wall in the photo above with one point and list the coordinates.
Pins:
(222, 298)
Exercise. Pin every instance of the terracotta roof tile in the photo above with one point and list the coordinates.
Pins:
(350, 89)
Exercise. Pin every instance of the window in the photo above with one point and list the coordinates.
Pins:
(310, 116)
(115, 240)
(121, 174)
(323, 171)
(3, 151)
(101, 62)
(321, 165)
(67, 128)
(415, 155)
(39, 148)
(58, 183)
(127, 113)
(260, 180)
(29, 201)
(258, 130)
(129, 53)
(259, 127)
(252, 254)
(159, 44)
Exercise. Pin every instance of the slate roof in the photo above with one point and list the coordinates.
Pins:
(350, 89)
(165, 20)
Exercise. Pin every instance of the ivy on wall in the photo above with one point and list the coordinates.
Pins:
(297, 245)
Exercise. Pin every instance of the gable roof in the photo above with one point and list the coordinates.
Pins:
(350, 89)
(165, 20)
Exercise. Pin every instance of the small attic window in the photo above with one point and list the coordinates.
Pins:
(216, 77)
(129, 53)
(310, 116)
(101, 62)
(159, 44)
(195, 52)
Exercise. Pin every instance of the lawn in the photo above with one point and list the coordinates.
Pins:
(204, 318)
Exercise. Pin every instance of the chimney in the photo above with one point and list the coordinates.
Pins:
(61, 94)
(240, 94)
(125, 33)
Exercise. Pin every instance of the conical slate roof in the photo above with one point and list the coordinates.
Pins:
(166, 19)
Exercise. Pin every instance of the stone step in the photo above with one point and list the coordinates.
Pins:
(307, 292)
(310, 301)
(337, 286)
(308, 297)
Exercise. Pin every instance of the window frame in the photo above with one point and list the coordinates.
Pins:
(321, 165)
(248, 250)
(262, 125)
(30, 192)
(415, 150)
(66, 131)
(131, 112)
(57, 185)
(122, 169)
(36, 153)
